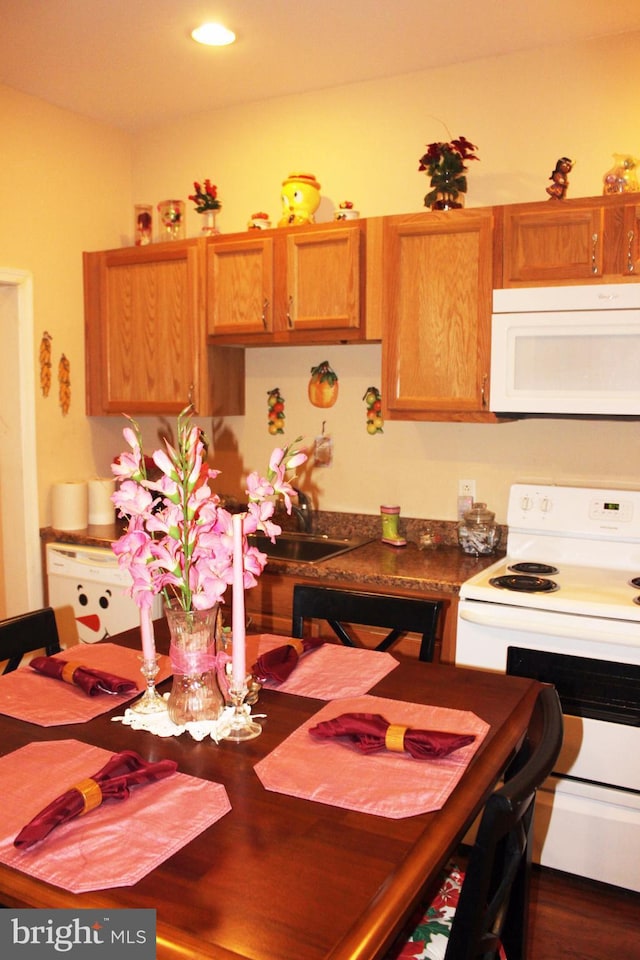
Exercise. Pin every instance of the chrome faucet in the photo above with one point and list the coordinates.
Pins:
(303, 511)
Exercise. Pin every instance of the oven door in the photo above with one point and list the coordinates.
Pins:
(593, 664)
(587, 817)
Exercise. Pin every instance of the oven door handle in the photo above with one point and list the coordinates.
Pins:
(572, 626)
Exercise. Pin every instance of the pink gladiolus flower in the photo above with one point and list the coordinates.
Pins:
(179, 540)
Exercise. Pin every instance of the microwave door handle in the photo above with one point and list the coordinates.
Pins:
(555, 625)
(594, 247)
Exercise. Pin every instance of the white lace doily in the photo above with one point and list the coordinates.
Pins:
(161, 725)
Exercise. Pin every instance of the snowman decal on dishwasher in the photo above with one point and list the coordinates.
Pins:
(92, 614)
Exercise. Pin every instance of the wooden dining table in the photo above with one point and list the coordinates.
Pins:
(278, 876)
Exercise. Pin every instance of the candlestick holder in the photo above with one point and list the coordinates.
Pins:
(242, 726)
(150, 701)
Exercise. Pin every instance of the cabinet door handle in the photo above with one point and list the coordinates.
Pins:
(289, 312)
(483, 392)
(594, 247)
(630, 263)
(265, 307)
(190, 394)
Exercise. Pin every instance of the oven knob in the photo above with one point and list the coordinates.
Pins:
(546, 505)
(526, 503)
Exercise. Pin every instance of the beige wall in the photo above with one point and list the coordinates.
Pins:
(363, 143)
(67, 184)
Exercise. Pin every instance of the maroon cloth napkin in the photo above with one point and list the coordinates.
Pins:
(91, 681)
(113, 782)
(279, 663)
(370, 732)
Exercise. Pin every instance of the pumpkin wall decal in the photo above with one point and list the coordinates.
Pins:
(323, 385)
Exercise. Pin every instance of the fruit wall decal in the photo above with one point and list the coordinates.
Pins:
(373, 401)
(45, 363)
(323, 385)
(64, 383)
(275, 405)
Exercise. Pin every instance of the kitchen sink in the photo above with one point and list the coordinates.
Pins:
(305, 547)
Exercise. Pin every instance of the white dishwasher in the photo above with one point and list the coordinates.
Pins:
(88, 591)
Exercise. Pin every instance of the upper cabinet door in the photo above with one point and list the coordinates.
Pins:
(437, 315)
(553, 242)
(240, 292)
(301, 284)
(146, 349)
(146, 321)
(323, 279)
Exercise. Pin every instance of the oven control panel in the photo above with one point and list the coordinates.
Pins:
(574, 511)
(620, 511)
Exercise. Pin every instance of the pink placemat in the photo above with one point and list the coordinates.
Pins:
(35, 698)
(388, 784)
(114, 845)
(328, 672)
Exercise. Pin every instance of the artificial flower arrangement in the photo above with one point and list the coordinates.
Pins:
(179, 539)
(445, 164)
(205, 196)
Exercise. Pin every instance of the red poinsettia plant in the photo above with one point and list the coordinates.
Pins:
(205, 196)
(445, 164)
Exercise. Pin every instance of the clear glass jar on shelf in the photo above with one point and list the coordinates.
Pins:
(478, 532)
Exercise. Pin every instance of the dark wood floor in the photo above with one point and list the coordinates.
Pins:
(575, 919)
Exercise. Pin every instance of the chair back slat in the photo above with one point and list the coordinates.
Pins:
(493, 904)
(340, 608)
(36, 630)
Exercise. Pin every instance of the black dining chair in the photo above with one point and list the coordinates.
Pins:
(36, 630)
(482, 911)
(342, 608)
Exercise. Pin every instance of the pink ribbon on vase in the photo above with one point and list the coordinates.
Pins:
(190, 662)
(112, 782)
(91, 681)
(370, 732)
(279, 663)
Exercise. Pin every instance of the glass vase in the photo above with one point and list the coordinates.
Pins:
(171, 220)
(195, 694)
(209, 228)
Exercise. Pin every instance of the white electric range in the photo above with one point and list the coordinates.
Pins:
(564, 607)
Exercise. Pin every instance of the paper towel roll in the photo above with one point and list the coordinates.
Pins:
(69, 505)
(101, 510)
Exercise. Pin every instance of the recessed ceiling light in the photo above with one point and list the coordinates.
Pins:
(213, 35)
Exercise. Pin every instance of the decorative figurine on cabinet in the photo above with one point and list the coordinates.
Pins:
(300, 199)
(560, 179)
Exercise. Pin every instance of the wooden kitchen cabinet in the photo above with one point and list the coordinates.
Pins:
(146, 349)
(436, 273)
(286, 286)
(586, 240)
(269, 607)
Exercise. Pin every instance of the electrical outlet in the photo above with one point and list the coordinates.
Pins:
(467, 488)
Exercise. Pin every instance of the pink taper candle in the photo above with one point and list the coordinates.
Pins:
(238, 664)
(146, 632)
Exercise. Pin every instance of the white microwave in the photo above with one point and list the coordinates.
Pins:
(566, 351)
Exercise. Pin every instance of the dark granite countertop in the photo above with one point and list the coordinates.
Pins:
(442, 569)
(378, 564)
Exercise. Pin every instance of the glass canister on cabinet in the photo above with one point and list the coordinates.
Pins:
(478, 532)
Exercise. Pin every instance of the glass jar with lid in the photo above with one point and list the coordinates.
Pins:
(478, 532)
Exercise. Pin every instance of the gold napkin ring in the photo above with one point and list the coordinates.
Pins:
(394, 737)
(69, 669)
(297, 645)
(91, 794)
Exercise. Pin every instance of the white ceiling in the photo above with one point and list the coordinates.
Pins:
(132, 64)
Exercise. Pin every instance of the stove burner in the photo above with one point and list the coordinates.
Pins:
(636, 600)
(528, 567)
(635, 583)
(524, 584)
